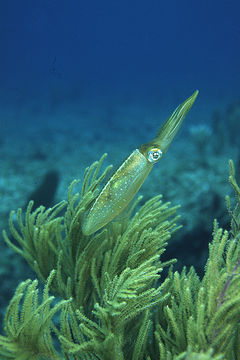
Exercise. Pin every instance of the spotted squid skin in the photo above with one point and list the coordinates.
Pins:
(118, 192)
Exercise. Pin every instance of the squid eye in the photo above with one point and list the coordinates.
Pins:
(154, 155)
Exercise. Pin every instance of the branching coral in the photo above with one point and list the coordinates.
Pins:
(28, 324)
(114, 304)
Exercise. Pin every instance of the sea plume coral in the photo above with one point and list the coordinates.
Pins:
(114, 303)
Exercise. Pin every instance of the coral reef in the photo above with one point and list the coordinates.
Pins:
(110, 301)
(190, 177)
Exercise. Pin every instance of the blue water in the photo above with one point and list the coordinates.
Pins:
(105, 54)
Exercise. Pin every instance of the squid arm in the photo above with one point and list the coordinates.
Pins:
(129, 177)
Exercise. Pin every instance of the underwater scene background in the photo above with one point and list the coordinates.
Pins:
(81, 78)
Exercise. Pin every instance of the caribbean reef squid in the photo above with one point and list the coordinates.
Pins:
(129, 177)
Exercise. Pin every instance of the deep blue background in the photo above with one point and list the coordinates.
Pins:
(144, 49)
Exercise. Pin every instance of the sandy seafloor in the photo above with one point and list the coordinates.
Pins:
(37, 137)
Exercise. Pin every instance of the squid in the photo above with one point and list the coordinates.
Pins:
(129, 177)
